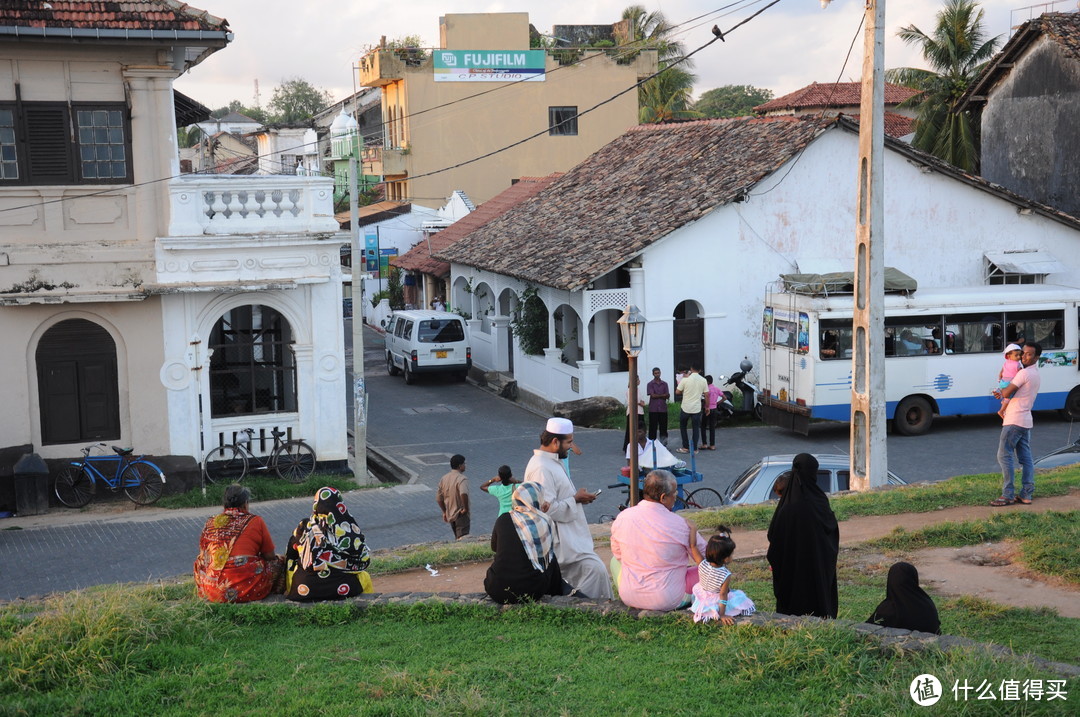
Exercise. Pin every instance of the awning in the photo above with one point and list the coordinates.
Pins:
(1026, 262)
(843, 282)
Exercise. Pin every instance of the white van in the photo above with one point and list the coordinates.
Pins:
(427, 342)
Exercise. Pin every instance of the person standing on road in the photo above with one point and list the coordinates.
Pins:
(580, 565)
(502, 487)
(1017, 400)
(691, 389)
(658, 393)
(453, 497)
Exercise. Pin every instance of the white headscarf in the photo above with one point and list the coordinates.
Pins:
(533, 525)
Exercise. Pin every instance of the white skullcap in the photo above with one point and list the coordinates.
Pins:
(1012, 347)
(560, 426)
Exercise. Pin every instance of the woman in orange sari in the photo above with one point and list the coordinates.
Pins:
(236, 560)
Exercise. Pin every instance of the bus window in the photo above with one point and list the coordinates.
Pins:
(911, 336)
(1045, 327)
(785, 333)
(975, 333)
(835, 340)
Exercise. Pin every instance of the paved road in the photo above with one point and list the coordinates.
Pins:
(420, 427)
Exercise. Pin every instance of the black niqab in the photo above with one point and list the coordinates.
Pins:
(804, 541)
(906, 605)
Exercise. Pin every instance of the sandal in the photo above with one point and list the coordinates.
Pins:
(1002, 501)
(682, 450)
(1024, 501)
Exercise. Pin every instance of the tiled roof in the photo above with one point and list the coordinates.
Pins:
(632, 192)
(103, 14)
(374, 213)
(1061, 27)
(838, 94)
(420, 258)
(896, 125)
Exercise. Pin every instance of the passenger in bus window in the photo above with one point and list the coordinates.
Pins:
(829, 344)
(909, 345)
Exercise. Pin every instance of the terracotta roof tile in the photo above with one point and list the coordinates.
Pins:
(107, 14)
(632, 192)
(895, 125)
(420, 258)
(838, 94)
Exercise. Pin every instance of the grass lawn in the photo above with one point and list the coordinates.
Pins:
(263, 487)
(147, 650)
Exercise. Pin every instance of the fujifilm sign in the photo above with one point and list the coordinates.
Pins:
(489, 65)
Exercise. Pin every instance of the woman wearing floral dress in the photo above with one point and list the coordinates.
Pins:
(236, 560)
(327, 557)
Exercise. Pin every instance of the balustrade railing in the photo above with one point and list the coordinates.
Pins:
(251, 204)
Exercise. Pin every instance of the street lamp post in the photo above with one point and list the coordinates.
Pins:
(632, 327)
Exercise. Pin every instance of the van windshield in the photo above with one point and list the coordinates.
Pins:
(440, 331)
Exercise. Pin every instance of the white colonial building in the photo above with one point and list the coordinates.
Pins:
(139, 306)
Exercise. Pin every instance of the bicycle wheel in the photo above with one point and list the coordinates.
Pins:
(74, 487)
(142, 482)
(704, 498)
(225, 464)
(294, 461)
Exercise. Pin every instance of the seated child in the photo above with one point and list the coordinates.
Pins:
(713, 597)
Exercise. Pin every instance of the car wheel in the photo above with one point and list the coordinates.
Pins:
(913, 416)
(390, 367)
(410, 377)
(1071, 410)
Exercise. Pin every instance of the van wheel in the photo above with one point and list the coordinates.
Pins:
(463, 376)
(410, 377)
(390, 367)
(913, 416)
(1071, 410)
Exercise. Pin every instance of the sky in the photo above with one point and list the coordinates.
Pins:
(790, 45)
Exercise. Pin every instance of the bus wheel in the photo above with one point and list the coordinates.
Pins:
(913, 416)
(1071, 410)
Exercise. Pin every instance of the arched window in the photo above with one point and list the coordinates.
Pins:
(252, 369)
(77, 386)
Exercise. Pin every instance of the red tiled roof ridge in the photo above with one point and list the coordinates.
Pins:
(109, 14)
(681, 124)
(835, 94)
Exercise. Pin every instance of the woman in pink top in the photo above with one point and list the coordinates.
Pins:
(708, 441)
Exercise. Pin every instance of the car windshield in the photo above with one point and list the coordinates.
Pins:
(738, 488)
(440, 331)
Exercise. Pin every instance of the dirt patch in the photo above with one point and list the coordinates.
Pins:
(989, 572)
(1011, 584)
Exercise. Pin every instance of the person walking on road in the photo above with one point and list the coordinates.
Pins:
(580, 565)
(453, 497)
(691, 389)
(1017, 400)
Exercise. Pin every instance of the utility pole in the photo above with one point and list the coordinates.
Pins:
(359, 392)
(869, 459)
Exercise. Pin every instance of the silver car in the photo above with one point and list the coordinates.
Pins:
(1066, 456)
(756, 484)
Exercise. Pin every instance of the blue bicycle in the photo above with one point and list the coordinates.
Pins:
(141, 480)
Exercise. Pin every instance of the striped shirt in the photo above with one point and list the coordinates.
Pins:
(711, 577)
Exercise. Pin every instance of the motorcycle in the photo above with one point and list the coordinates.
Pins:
(750, 406)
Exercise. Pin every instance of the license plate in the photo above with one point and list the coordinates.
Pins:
(440, 354)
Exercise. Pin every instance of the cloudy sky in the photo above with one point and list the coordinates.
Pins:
(790, 45)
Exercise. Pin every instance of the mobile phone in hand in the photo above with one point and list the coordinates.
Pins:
(598, 491)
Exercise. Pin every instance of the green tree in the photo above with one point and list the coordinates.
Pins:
(188, 136)
(732, 101)
(668, 95)
(255, 113)
(296, 100)
(956, 52)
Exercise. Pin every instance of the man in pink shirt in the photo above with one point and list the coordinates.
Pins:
(651, 549)
(1017, 400)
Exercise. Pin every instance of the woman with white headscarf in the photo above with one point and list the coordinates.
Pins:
(524, 543)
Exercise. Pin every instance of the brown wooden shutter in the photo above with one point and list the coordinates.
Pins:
(48, 140)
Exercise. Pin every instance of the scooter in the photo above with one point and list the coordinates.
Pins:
(750, 405)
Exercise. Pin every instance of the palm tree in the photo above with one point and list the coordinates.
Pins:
(956, 53)
(669, 94)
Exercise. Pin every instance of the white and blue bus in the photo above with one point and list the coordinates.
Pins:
(943, 352)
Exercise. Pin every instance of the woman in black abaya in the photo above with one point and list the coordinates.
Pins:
(804, 541)
(906, 605)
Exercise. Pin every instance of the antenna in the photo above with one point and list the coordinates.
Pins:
(258, 103)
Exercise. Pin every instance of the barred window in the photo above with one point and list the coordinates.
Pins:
(252, 369)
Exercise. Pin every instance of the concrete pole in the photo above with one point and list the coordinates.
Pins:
(868, 449)
(359, 466)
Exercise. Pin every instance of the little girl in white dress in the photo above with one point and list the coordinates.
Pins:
(713, 598)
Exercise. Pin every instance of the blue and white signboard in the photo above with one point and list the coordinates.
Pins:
(371, 250)
(489, 65)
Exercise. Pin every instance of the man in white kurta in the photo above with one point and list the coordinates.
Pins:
(580, 565)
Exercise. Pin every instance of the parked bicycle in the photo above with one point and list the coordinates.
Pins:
(293, 460)
(141, 480)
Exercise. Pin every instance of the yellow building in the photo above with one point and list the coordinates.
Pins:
(484, 89)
